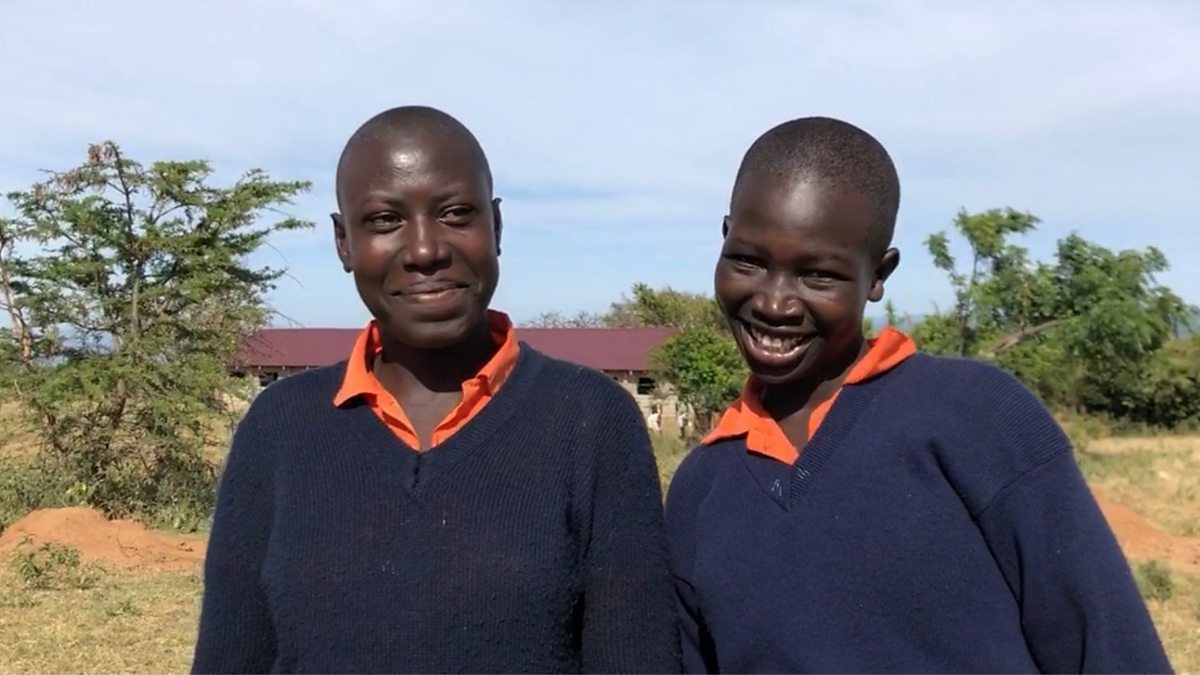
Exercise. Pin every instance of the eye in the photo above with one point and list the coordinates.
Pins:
(458, 214)
(819, 278)
(744, 263)
(383, 222)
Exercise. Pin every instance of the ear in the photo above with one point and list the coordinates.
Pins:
(887, 265)
(725, 227)
(498, 221)
(339, 241)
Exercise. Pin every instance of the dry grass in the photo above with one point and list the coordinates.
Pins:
(1178, 622)
(146, 622)
(128, 623)
(1160, 478)
(1157, 476)
(17, 438)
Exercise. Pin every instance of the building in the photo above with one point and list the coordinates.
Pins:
(621, 353)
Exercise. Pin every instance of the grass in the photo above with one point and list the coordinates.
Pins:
(1178, 621)
(124, 623)
(1159, 476)
(89, 620)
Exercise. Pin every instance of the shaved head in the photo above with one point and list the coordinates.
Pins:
(412, 123)
(835, 153)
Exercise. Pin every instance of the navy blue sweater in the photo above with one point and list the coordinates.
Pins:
(530, 541)
(936, 522)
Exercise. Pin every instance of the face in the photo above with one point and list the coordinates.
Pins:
(794, 276)
(420, 231)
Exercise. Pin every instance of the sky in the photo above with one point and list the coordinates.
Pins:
(614, 129)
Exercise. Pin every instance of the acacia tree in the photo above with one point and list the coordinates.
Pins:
(128, 292)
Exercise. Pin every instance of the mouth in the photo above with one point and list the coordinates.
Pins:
(431, 292)
(770, 347)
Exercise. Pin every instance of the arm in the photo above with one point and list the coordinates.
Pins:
(236, 635)
(1080, 608)
(698, 651)
(628, 609)
(699, 655)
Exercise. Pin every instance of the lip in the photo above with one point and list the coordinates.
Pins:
(431, 293)
(772, 348)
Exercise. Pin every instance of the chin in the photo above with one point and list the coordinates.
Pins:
(423, 333)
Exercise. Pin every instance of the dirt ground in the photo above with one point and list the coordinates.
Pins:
(141, 614)
(110, 543)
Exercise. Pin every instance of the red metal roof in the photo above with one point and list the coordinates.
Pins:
(609, 349)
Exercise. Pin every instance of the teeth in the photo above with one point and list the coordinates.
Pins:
(774, 343)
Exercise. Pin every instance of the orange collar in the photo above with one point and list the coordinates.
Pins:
(477, 391)
(746, 416)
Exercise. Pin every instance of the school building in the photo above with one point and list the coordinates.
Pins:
(621, 353)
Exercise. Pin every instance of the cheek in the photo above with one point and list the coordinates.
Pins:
(835, 306)
(371, 255)
(730, 288)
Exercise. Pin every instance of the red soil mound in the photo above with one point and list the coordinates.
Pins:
(118, 543)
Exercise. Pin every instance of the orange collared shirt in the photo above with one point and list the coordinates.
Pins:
(476, 392)
(763, 434)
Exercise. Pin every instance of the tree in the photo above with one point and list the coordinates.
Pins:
(126, 317)
(559, 320)
(664, 307)
(704, 367)
(701, 361)
(1083, 332)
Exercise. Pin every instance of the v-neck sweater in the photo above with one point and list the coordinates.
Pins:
(936, 522)
(529, 541)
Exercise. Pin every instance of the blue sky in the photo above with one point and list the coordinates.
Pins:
(614, 129)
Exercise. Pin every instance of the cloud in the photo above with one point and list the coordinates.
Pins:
(615, 129)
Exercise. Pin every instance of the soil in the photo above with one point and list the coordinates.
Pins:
(119, 543)
(128, 544)
(1143, 541)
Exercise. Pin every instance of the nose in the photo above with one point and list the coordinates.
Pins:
(422, 248)
(778, 302)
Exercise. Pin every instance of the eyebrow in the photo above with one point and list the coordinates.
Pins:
(808, 257)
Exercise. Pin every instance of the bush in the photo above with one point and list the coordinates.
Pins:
(28, 485)
(1154, 580)
(53, 566)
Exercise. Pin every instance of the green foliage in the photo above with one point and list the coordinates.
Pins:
(664, 307)
(704, 367)
(128, 314)
(27, 485)
(53, 566)
(1154, 580)
(1091, 331)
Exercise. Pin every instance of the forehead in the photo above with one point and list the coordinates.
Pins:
(786, 213)
(397, 159)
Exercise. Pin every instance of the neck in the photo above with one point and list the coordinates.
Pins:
(404, 369)
(782, 401)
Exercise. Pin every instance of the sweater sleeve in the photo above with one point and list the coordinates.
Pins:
(236, 633)
(698, 654)
(1080, 608)
(628, 606)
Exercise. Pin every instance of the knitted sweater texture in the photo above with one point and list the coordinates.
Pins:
(936, 522)
(531, 541)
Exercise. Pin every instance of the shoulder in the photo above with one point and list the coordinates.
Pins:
(987, 427)
(696, 475)
(581, 387)
(293, 396)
